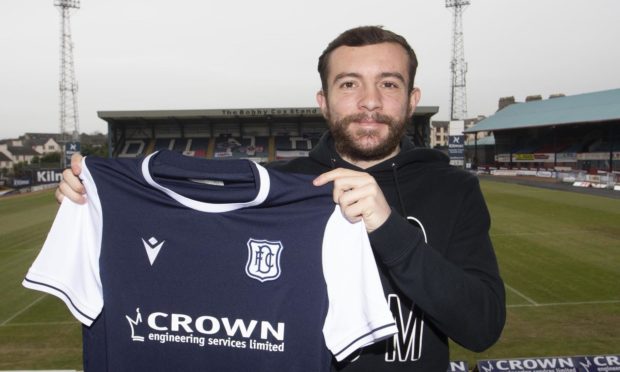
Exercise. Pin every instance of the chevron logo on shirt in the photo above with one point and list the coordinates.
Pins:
(152, 247)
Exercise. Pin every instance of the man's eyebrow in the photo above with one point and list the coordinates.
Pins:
(343, 75)
(396, 75)
(383, 75)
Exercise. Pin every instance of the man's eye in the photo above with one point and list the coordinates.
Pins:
(347, 85)
(389, 84)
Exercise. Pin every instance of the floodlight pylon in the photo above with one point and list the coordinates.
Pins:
(458, 65)
(69, 116)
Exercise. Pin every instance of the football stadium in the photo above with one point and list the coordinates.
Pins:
(558, 249)
(548, 168)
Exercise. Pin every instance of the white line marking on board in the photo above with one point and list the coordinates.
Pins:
(23, 310)
(532, 302)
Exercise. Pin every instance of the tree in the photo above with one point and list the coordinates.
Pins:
(19, 169)
(94, 150)
(52, 157)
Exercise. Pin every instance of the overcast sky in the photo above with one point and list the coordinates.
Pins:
(197, 54)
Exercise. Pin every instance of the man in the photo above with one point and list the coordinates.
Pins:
(427, 221)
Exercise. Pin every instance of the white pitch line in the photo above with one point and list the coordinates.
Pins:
(567, 303)
(22, 310)
(41, 324)
(532, 302)
(542, 233)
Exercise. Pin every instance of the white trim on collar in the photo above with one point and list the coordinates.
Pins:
(211, 207)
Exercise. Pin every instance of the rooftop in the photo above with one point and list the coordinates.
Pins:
(593, 107)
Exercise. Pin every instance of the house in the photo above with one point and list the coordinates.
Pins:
(43, 143)
(5, 161)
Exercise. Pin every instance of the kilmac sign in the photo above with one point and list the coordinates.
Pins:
(590, 363)
(39, 177)
(47, 176)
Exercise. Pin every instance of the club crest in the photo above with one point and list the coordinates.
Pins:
(263, 260)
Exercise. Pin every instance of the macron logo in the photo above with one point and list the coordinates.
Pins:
(152, 247)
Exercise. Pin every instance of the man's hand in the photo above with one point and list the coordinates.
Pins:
(358, 195)
(70, 186)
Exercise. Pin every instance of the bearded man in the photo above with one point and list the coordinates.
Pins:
(427, 221)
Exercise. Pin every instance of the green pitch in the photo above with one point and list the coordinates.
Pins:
(36, 330)
(559, 254)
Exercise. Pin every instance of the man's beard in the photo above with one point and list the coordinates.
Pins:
(350, 145)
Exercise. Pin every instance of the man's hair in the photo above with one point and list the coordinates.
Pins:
(362, 36)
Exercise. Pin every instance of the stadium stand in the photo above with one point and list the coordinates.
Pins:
(580, 133)
(258, 134)
(132, 148)
(199, 147)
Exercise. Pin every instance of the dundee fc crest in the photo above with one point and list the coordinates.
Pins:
(263, 260)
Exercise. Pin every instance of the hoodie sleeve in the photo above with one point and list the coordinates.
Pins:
(459, 288)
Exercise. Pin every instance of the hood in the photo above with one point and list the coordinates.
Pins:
(389, 172)
(325, 153)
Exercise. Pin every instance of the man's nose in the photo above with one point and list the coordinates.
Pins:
(370, 99)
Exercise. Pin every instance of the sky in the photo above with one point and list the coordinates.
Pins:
(196, 54)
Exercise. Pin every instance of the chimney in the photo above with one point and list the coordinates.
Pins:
(505, 102)
(536, 97)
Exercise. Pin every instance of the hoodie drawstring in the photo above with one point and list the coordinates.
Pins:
(400, 197)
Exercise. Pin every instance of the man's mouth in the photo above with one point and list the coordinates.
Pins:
(365, 120)
(370, 121)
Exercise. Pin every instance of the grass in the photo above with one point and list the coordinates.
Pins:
(36, 330)
(559, 254)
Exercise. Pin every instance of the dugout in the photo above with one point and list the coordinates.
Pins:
(579, 132)
(260, 134)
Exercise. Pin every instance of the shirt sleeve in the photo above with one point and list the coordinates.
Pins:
(358, 314)
(68, 264)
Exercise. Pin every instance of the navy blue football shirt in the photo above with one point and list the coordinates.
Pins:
(178, 263)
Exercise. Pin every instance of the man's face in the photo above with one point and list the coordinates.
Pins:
(367, 103)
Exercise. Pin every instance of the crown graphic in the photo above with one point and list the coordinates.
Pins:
(133, 323)
(586, 366)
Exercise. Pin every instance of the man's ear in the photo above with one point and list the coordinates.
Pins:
(321, 99)
(414, 98)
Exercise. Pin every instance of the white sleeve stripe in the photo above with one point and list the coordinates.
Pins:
(44, 287)
(378, 334)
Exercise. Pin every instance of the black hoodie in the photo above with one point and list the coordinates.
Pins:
(435, 257)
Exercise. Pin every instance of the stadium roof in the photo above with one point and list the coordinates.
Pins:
(236, 113)
(581, 108)
(485, 141)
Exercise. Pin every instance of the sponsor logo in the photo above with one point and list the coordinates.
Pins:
(152, 247)
(586, 364)
(207, 331)
(532, 364)
(20, 182)
(134, 323)
(486, 368)
(263, 260)
(591, 363)
(458, 366)
(599, 363)
(49, 176)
